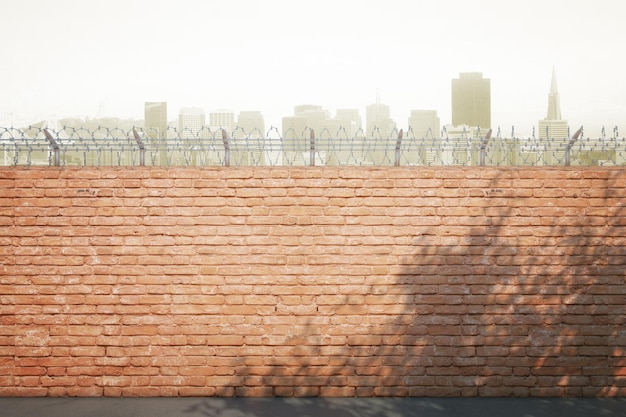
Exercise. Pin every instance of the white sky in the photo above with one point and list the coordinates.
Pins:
(65, 57)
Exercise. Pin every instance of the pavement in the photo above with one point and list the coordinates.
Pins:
(310, 407)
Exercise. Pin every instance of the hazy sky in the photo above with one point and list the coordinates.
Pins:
(75, 57)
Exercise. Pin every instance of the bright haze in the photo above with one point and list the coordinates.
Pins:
(92, 58)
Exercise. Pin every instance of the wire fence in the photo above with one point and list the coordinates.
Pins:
(138, 147)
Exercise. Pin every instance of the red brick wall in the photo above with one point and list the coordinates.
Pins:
(313, 281)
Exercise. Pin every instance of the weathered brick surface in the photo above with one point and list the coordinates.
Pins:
(313, 281)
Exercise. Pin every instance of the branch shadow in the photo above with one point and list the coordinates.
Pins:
(525, 299)
(511, 295)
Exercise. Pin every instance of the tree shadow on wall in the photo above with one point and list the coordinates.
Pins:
(515, 298)
(524, 300)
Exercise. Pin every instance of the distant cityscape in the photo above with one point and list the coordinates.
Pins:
(470, 104)
(470, 111)
(313, 136)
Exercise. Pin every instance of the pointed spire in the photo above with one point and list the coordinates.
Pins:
(554, 101)
(553, 87)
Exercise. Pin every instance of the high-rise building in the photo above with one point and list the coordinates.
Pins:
(222, 119)
(251, 124)
(306, 116)
(294, 127)
(553, 126)
(191, 120)
(425, 124)
(350, 120)
(155, 119)
(471, 100)
(309, 109)
(315, 116)
(378, 120)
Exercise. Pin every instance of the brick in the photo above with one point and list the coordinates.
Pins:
(23, 391)
(326, 281)
(196, 392)
(87, 351)
(337, 391)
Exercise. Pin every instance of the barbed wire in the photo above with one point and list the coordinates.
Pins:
(105, 146)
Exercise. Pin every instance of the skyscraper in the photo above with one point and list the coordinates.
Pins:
(294, 127)
(155, 119)
(350, 120)
(315, 116)
(553, 127)
(554, 99)
(425, 123)
(378, 116)
(191, 120)
(222, 119)
(471, 100)
(252, 124)
(305, 116)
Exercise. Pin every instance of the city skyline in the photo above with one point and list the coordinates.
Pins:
(470, 103)
(86, 59)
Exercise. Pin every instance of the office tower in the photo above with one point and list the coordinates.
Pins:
(251, 147)
(378, 121)
(294, 127)
(251, 124)
(308, 109)
(471, 100)
(424, 123)
(350, 120)
(222, 119)
(155, 119)
(191, 120)
(305, 117)
(553, 127)
(315, 117)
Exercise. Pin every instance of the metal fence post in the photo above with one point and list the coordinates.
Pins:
(483, 148)
(569, 145)
(226, 148)
(55, 147)
(398, 145)
(142, 148)
(312, 149)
